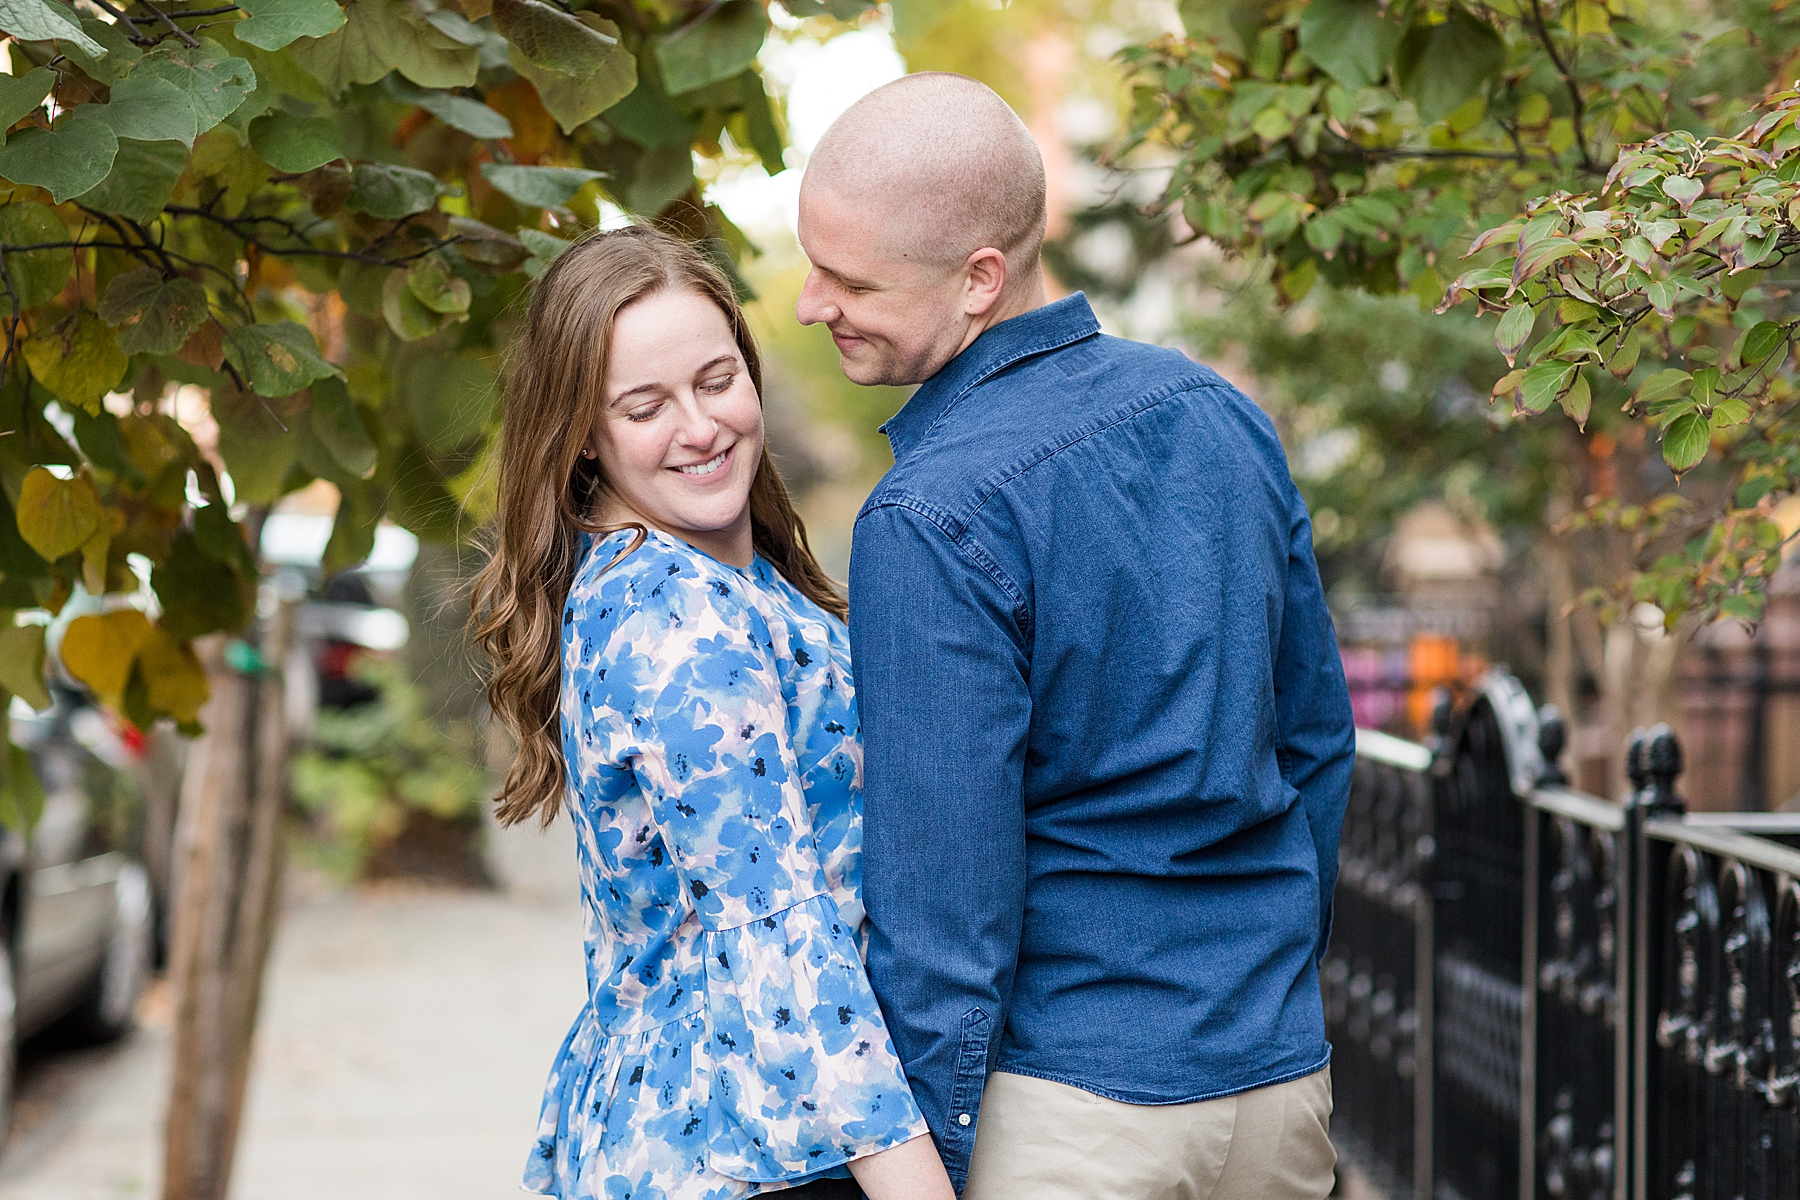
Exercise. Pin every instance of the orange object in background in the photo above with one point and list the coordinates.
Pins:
(1434, 662)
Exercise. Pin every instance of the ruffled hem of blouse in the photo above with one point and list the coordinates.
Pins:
(786, 1074)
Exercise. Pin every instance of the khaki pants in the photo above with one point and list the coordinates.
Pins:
(1039, 1140)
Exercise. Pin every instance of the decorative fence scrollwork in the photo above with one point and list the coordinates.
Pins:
(1534, 992)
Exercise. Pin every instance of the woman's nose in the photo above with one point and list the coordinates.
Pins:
(698, 428)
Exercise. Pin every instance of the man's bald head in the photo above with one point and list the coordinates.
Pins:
(945, 167)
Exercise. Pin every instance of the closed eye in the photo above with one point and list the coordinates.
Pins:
(718, 385)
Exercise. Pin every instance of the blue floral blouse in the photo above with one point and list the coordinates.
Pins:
(730, 1045)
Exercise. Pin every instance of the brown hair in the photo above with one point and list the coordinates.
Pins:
(548, 492)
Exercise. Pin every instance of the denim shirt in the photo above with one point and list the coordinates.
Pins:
(1107, 736)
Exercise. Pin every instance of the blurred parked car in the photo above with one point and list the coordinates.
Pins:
(76, 907)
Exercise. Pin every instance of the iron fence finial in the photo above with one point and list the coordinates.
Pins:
(1551, 738)
(1637, 759)
(1663, 758)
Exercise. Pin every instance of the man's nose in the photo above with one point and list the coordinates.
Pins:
(812, 307)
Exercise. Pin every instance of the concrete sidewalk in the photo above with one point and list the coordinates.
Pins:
(404, 1040)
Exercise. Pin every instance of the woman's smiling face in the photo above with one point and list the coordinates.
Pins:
(680, 435)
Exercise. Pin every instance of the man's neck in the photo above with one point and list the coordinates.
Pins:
(1012, 303)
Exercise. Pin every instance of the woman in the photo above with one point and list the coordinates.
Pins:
(675, 668)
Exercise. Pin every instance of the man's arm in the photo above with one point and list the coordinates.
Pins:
(1312, 703)
(941, 677)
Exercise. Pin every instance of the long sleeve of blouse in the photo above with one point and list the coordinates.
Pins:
(710, 715)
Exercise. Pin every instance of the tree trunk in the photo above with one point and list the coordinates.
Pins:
(227, 884)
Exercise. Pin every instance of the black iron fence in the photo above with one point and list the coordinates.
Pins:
(1533, 992)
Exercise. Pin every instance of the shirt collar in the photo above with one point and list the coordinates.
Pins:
(1051, 327)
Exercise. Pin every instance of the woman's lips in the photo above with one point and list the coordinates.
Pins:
(712, 468)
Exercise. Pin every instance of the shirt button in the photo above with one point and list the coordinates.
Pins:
(963, 1119)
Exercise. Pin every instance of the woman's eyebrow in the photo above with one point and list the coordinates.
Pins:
(723, 358)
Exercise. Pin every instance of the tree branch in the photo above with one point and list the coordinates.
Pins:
(1575, 101)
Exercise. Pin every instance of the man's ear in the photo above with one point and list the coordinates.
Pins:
(986, 280)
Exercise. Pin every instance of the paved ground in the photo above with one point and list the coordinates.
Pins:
(404, 1041)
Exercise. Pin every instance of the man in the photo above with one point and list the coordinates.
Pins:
(1108, 739)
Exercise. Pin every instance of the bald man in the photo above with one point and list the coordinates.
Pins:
(1107, 735)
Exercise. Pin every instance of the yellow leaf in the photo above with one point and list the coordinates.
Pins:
(78, 358)
(22, 664)
(173, 677)
(57, 515)
(99, 650)
(93, 559)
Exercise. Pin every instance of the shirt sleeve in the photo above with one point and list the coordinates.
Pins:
(1312, 703)
(945, 706)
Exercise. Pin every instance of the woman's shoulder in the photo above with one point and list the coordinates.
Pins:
(663, 577)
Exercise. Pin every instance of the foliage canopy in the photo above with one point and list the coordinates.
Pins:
(304, 222)
(1621, 216)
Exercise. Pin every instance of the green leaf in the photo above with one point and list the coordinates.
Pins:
(538, 187)
(1682, 189)
(149, 109)
(36, 21)
(65, 161)
(576, 99)
(390, 192)
(1685, 441)
(660, 178)
(276, 359)
(432, 284)
(1439, 67)
(408, 316)
(142, 179)
(486, 246)
(275, 23)
(1625, 358)
(1752, 490)
(57, 515)
(459, 112)
(544, 249)
(21, 96)
(21, 793)
(384, 35)
(1515, 327)
(450, 398)
(200, 594)
(722, 42)
(22, 664)
(1661, 386)
(1351, 40)
(353, 530)
(152, 314)
(1727, 412)
(1578, 400)
(552, 39)
(1539, 389)
(339, 429)
(36, 275)
(1761, 342)
(77, 358)
(118, 54)
(210, 82)
(293, 144)
(647, 118)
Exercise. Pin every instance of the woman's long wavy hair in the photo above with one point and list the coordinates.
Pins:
(549, 493)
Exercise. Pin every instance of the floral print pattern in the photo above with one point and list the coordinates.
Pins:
(730, 1045)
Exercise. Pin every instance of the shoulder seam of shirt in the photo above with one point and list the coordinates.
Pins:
(987, 487)
(996, 481)
(970, 549)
